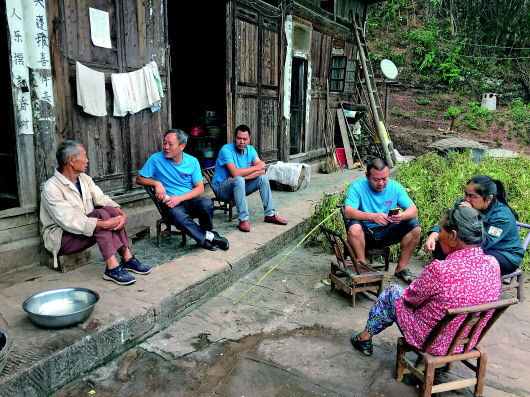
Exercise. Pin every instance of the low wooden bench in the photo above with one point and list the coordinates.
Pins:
(70, 262)
(65, 262)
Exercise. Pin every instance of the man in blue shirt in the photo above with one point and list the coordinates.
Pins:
(370, 222)
(240, 172)
(177, 179)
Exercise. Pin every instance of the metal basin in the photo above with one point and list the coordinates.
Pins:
(5, 345)
(60, 308)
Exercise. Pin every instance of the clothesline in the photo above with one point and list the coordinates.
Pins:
(132, 91)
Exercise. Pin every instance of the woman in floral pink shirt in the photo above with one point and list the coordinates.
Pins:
(466, 277)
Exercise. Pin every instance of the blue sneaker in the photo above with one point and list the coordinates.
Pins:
(135, 266)
(119, 275)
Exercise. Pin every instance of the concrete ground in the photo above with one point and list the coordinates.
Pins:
(288, 336)
(180, 333)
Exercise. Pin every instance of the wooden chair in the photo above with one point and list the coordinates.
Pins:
(370, 252)
(167, 231)
(225, 205)
(423, 368)
(351, 275)
(516, 279)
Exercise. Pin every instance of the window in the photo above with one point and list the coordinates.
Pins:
(350, 76)
(338, 73)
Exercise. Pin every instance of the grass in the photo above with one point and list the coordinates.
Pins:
(323, 209)
(435, 183)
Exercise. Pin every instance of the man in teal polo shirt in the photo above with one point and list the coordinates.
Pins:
(177, 179)
(370, 221)
(240, 172)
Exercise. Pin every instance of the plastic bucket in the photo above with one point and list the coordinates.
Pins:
(489, 101)
(341, 156)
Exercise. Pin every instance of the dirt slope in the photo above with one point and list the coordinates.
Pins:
(416, 119)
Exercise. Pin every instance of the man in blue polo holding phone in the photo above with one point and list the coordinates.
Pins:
(374, 220)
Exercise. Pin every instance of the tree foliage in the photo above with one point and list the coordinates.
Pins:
(457, 41)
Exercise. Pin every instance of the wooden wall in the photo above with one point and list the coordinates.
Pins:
(117, 146)
(323, 44)
(256, 72)
(320, 60)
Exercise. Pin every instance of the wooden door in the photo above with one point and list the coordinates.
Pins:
(298, 97)
(254, 83)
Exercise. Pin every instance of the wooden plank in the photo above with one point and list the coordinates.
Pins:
(345, 141)
(457, 384)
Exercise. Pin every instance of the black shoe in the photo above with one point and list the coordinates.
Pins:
(209, 246)
(365, 346)
(220, 242)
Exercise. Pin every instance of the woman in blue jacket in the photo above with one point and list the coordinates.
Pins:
(501, 236)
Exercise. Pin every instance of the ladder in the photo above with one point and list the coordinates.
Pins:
(373, 96)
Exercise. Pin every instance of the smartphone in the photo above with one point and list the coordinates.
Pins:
(393, 211)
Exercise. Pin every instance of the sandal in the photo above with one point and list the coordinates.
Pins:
(404, 273)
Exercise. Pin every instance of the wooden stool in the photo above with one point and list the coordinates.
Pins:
(65, 262)
(348, 273)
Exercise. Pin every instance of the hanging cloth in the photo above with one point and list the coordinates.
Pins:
(121, 94)
(90, 85)
(153, 96)
(156, 74)
(134, 91)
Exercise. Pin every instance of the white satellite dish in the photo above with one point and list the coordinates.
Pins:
(389, 69)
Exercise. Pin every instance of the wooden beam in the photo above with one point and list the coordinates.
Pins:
(345, 140)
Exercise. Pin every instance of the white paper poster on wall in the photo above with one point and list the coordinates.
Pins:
(100, 28)
(29, 33)
(36, 30)
(16, 19)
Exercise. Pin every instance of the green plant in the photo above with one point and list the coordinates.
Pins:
(451, 66)
(396, 111)
(327, 208)
(476, 117)
(520, 114)
(452, 113)
(423, 101)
